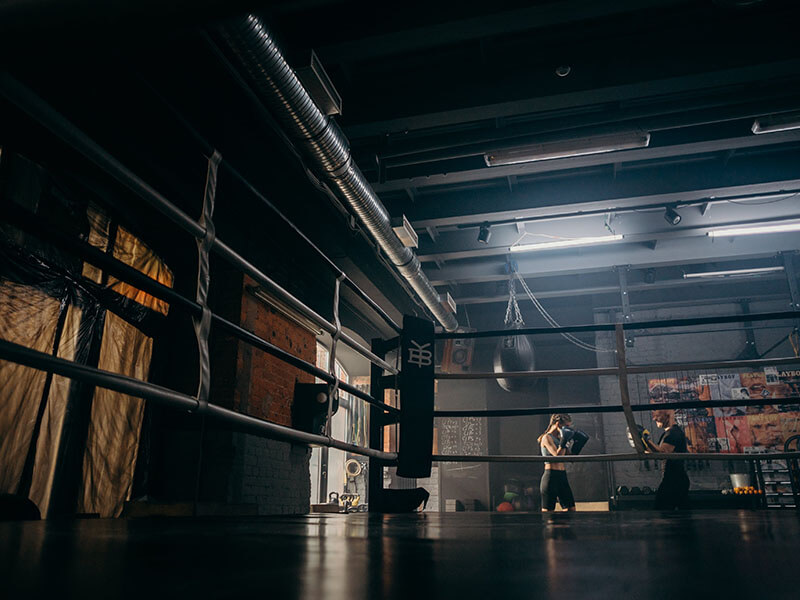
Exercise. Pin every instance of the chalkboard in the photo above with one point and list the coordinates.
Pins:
(462, 435)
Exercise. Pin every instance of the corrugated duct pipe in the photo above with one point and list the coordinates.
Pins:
(248, 40)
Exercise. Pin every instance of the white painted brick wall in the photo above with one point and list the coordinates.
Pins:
(432, 485)
(271, 474)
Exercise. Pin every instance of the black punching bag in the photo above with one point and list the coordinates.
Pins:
(513, 353)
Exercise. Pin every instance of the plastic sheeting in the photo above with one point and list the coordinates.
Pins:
(43, 304)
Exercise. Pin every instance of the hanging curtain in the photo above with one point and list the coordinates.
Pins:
(29, 318)
(116, 421)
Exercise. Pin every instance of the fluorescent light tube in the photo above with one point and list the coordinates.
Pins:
(733, 273)
(567, 148)
(773, 123)
(753, 230)
(585, 241)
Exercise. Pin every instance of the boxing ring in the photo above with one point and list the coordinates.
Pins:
(414, 346)
(203, 318)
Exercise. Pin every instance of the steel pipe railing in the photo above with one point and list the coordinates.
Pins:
(592, 372)
(130, 275)
(720, 364)
(167, 397)
(39, 110)
(595, 372)
(536, 458)
(776, 316)
(611, 408)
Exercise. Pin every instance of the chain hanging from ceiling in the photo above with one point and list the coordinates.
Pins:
(547, 317)
(513, 318)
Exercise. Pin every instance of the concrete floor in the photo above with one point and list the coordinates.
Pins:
(710, 555)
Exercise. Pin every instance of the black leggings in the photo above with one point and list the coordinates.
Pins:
(673, 491)
(555, 486)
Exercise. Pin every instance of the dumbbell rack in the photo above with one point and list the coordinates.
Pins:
(774, 478)
(779, 480)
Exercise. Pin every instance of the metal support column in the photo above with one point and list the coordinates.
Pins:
(622, 272)
(624, 394)
(750, 350)
(791, 279)
(376, 423)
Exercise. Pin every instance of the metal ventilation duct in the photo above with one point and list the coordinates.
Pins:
(253, 48)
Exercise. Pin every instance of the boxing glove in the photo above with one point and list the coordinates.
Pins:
(578, 441)
(645, 436)
(566, 435)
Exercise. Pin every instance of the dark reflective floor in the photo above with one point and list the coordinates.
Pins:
(464, 555)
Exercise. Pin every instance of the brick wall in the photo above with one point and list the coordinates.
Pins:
(272, 474)
(668, 347)
(265, 384)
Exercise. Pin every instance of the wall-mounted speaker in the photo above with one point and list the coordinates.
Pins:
(310, 407)
(457, 356)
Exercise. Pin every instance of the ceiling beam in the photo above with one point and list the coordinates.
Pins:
(612, 94)
(578, 193)
(639, 226)
(681, 251)
(745, 140)
(614, 289)
(502, 23)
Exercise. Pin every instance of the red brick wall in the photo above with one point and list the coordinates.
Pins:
(265, 384)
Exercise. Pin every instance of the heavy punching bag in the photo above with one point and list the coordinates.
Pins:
(513, 352)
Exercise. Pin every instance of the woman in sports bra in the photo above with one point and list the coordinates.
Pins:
(554, 485)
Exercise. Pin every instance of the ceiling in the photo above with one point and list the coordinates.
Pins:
(427, 92)
(429, 89)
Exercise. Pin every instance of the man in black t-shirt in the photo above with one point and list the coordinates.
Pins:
(674, 489)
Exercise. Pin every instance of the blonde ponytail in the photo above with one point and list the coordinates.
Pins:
(554, 418)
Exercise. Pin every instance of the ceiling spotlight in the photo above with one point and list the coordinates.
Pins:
(485, 233)
(671, 216)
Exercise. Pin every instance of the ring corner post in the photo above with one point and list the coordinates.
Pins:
(376, 388)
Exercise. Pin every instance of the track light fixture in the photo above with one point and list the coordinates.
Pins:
(485, 233)
(671, 216)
